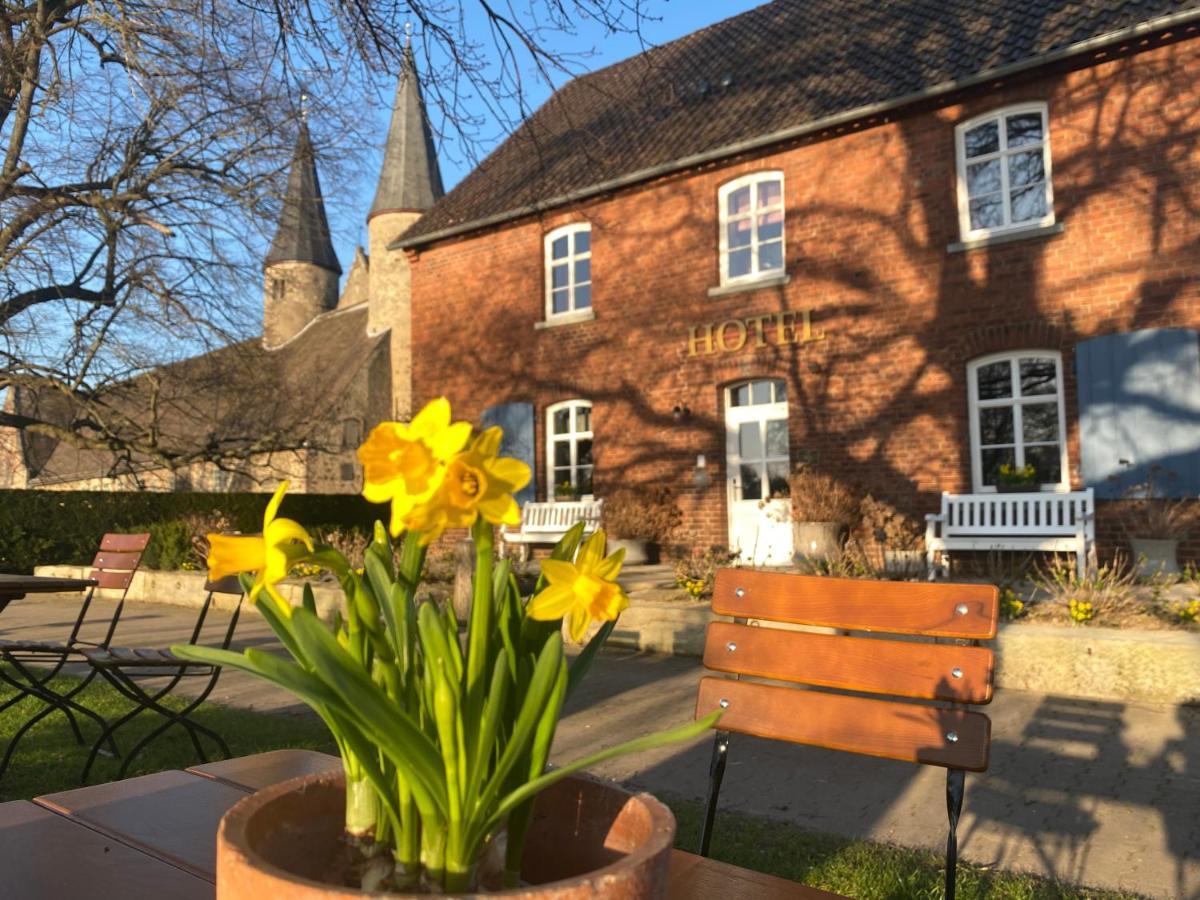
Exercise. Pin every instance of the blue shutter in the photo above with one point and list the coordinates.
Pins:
(517, 421)
(1139, 400)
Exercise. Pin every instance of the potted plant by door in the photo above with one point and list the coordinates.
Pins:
(444, 741)
(823, 512)
(640, 520)
(1011, 479)
(1154, 523)
(897, 535)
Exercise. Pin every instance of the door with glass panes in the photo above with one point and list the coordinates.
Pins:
(757, 463)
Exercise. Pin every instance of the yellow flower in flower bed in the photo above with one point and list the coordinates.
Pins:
(1081, 610)
(581, 592)
(477, 483)
(404, 464)
(271, 555)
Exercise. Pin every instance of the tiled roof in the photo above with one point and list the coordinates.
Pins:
(785, 65)
(227, 398)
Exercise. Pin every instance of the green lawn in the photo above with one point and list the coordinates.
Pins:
(48, 760)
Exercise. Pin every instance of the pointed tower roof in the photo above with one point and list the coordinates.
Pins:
(303, 234)
(410, 178)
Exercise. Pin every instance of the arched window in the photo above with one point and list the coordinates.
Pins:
(569, 446)
(1004, 171)
(751, 219)
(1016, 408)
(569, 270)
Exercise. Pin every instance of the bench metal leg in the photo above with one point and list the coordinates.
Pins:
(716, 771)
(955, 787)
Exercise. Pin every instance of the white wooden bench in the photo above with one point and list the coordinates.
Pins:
(546, 523)
(1053, 522)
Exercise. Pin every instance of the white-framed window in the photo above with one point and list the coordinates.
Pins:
(569, 270)
(569, 446)
(751, 220)
(1017, 417)
(1004, 171)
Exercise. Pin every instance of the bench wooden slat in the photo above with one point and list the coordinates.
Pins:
(125, 542)
(911, 732)
(859, 605)
(107, 578)
(899, 668)
(111, 559)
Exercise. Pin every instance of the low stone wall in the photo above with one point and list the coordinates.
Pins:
(1158, 667)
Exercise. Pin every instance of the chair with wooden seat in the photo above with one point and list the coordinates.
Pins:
(838, 689)
(148, 675)
(32, 666)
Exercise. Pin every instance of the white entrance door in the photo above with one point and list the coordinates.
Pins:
(757, 461)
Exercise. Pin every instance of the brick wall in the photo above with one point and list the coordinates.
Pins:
(870, 213)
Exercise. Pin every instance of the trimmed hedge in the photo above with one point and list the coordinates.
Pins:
(40, 528)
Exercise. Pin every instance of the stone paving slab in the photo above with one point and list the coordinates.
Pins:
(1102, 793)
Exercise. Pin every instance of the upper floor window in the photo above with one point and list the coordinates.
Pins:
(1004, 171)
(569, 270)
(569, 446)
(1016, 407)
(751, 227)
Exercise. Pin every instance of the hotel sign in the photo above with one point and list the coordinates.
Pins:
(777, 329)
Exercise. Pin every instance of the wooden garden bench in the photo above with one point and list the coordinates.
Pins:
(1052, 522)
(948, 676)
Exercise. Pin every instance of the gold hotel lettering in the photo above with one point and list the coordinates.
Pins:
(732, 335)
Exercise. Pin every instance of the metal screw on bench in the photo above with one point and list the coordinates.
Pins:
(740, 592)
(724, 704)
(952, 737)
(956, 672)
(961, 609)
(731, 646)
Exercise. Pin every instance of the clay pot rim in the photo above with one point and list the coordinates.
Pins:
(232, 833)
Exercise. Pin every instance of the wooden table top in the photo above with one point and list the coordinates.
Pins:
(155, 836)
(14, 586)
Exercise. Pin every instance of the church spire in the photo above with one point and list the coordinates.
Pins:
(303, 234)
(409, 180)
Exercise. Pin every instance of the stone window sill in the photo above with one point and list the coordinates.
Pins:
(756, 285)
(571, 318)
(1006, 237)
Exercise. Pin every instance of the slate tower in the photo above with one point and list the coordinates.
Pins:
(409, 183)
(301, 270)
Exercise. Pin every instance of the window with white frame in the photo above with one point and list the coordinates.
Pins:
(569, 270)
(1004, 171)
(569, 446)
(751, 227)
(1016, 408)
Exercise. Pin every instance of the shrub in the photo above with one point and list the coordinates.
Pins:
(818, 497)
(65, 527)
(697, 571)
(1105, 591)
(647, 513)
(889, 526)
(851, 561)
(1148, 511)
(1012, 607)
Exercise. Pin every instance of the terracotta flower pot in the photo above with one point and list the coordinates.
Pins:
(588, 839)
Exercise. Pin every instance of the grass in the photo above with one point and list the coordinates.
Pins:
(858, 868)
(49, 760)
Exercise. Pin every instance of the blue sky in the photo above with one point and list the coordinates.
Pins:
(668, 19)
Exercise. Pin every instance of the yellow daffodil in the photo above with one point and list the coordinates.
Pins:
(271, 554)
(584, 591)
(405, 463)
(478, 482)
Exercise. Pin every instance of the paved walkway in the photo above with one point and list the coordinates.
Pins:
(1106, 794)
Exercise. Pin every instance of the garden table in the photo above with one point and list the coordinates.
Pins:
(14, 587)
(155, 836)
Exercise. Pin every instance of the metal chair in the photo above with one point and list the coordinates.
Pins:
(32, 666)
(941, 732)
(129, 669)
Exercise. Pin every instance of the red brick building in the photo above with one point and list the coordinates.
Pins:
(906, 242)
